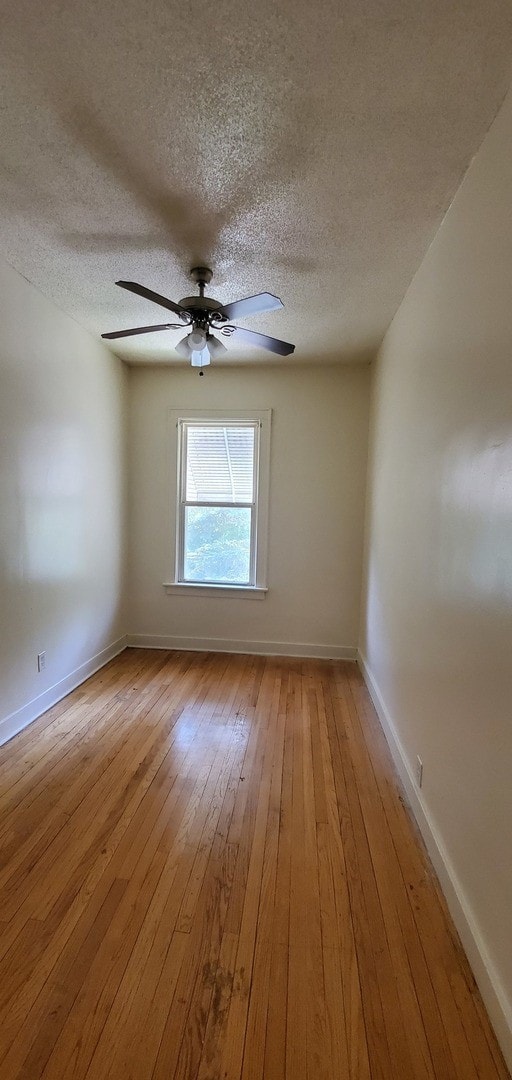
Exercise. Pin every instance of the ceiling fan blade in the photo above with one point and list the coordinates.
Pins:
(262, 341)
(141, 290)
(215, 346)
(251, 305)
(143, 330)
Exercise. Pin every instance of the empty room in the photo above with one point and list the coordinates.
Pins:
(256, 560)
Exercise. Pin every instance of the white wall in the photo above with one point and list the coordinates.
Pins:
(61, 500)
(317, 476)
(437, 637)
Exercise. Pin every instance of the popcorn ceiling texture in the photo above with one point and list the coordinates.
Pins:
(309, 149)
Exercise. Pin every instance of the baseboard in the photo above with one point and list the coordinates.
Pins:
(494, 996)
(20, 719)
(264, 648)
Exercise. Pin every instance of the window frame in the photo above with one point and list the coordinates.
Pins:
(261, 419)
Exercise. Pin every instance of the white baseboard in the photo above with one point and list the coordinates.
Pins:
(264, 648)
(18, 720)
(493, 993)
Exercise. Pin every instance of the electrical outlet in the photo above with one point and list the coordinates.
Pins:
(41, 661)
(419, 771)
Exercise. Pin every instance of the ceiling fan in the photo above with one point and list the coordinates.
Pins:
(201, 314)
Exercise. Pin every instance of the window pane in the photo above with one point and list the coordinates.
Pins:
(220, 463)
(218, 544)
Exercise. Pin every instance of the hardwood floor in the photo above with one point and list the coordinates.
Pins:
(207, 871)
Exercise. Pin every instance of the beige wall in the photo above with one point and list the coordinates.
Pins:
(61, 500)
(437, 636)
(318, 462)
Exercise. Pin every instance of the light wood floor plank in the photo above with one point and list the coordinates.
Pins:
(208, 872)
(335, 878)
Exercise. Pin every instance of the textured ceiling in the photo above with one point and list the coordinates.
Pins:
(308, 149)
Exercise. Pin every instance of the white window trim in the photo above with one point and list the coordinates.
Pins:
(259, 590)
(193, 588)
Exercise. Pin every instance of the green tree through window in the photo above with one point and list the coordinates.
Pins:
(218, 543)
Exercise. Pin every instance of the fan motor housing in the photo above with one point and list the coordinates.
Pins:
(203, 308)
(200, 303)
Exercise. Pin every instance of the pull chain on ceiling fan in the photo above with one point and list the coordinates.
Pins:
(202, 314)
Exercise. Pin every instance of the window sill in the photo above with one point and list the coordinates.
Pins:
(244, 592)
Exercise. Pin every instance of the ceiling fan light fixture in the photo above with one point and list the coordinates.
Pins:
(200, 358)
(197, 345)
(197, 340)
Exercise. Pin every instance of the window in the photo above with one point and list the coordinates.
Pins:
(221, 502)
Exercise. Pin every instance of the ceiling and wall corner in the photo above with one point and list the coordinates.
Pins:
(308, 149)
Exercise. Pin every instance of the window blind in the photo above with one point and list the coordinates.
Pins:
(220, 463)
